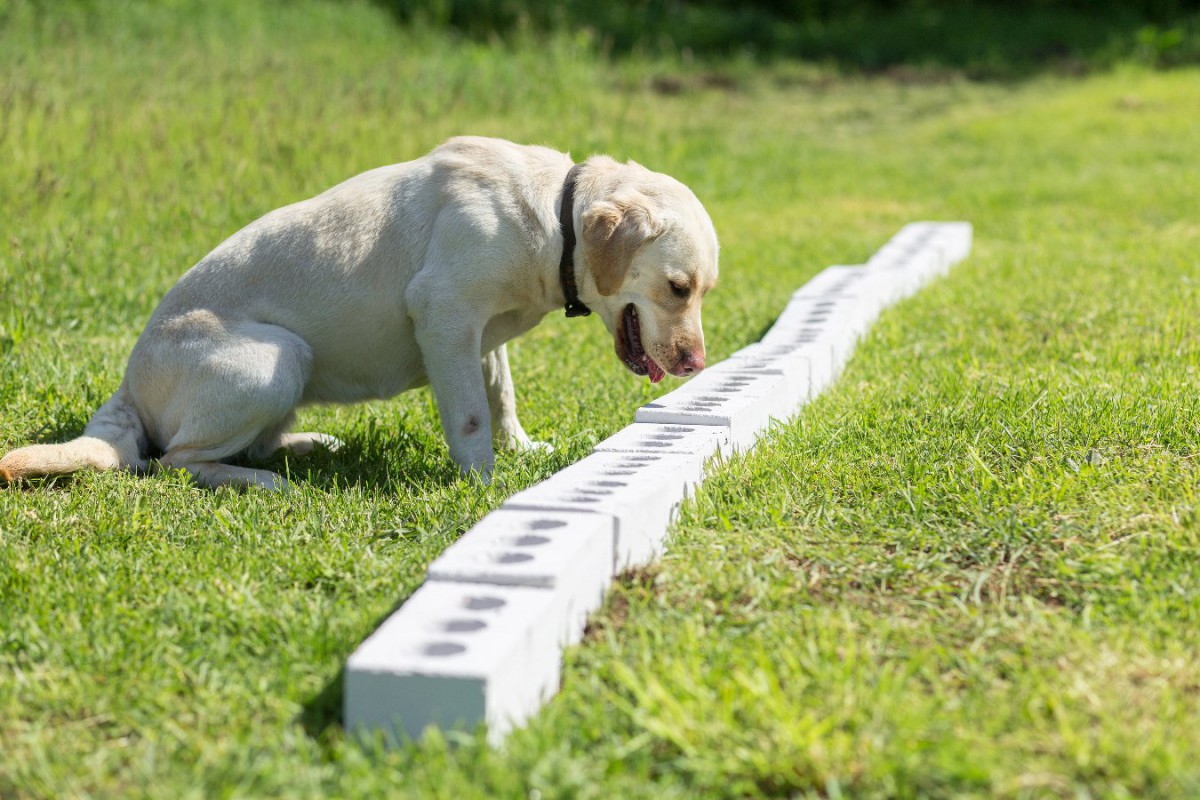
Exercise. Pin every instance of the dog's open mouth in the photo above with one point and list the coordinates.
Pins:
(630, 349)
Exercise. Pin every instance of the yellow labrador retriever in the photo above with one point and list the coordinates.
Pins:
(405, 275)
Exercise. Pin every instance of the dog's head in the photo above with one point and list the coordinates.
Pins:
(651, 253)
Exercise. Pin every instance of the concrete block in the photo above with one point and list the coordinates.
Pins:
(647, 437)
(783, 392)
(481, 640)
(815, 356)
(957, 239)
(567, 554)
(855, 312)
(839, 279)
(910, 270)
(455, 655)
(836, 335)
(794, 365)
(807, 368)
(953, 239)
(871, 288)
(640, 492)
(744, 404)
(922, 251)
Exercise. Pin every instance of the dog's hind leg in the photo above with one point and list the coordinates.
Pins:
(295, 443)
(214, 474)
(219, 389)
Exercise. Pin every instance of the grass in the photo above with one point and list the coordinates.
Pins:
(972, 568)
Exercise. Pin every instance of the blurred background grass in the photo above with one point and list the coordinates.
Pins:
(984, 40)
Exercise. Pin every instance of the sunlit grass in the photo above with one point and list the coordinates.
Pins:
(969, 569)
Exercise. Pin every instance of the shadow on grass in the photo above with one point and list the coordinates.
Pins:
(401, 463)
(323, 713)
(983, 40)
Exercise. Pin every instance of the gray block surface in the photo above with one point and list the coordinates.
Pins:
(455, 655)
(742, 403)
(650, 437)
(641, 492)
(567, 554)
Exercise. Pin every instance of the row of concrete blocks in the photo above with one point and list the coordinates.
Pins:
(482, 639)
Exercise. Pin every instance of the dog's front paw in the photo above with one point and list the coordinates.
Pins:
(519, 442)
(523, 444)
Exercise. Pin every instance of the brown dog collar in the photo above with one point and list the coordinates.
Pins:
(566, 265)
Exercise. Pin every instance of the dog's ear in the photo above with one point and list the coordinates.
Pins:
(613, 230)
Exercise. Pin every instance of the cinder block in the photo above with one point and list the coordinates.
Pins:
(836, 280)
(953, 239)
(455, 655)
(783, 394)
(744, 404)
(807, 368)
(641, 492)
(857, 313)
(872, 288)
(481, 641)
(957, 239)
(567, 554)
(646, 437)
(922, 251)
(908, 270)
(837, 335)
(795, 365)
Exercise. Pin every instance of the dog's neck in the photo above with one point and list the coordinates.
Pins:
(566, 266)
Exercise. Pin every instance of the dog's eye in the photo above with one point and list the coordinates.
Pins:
(680, 290)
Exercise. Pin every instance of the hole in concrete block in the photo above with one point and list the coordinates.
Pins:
(583, 498)
(678, 429)
(620, 472)
(441, 649)
(463, 626)
(666, 437)
(595, 492)
(646, 459)
(483, 602)
(652, 443)
(530, 541)
(609, 483)
(512, 558)
(546, 524)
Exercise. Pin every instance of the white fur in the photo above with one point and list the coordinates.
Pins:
(405, 275)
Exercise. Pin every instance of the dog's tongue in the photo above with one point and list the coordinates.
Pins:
(654, 370)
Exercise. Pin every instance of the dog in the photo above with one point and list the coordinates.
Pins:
(406, 275)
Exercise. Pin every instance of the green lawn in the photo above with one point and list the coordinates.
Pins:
(971, 568)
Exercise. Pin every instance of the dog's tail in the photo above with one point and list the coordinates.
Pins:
(114, 438)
